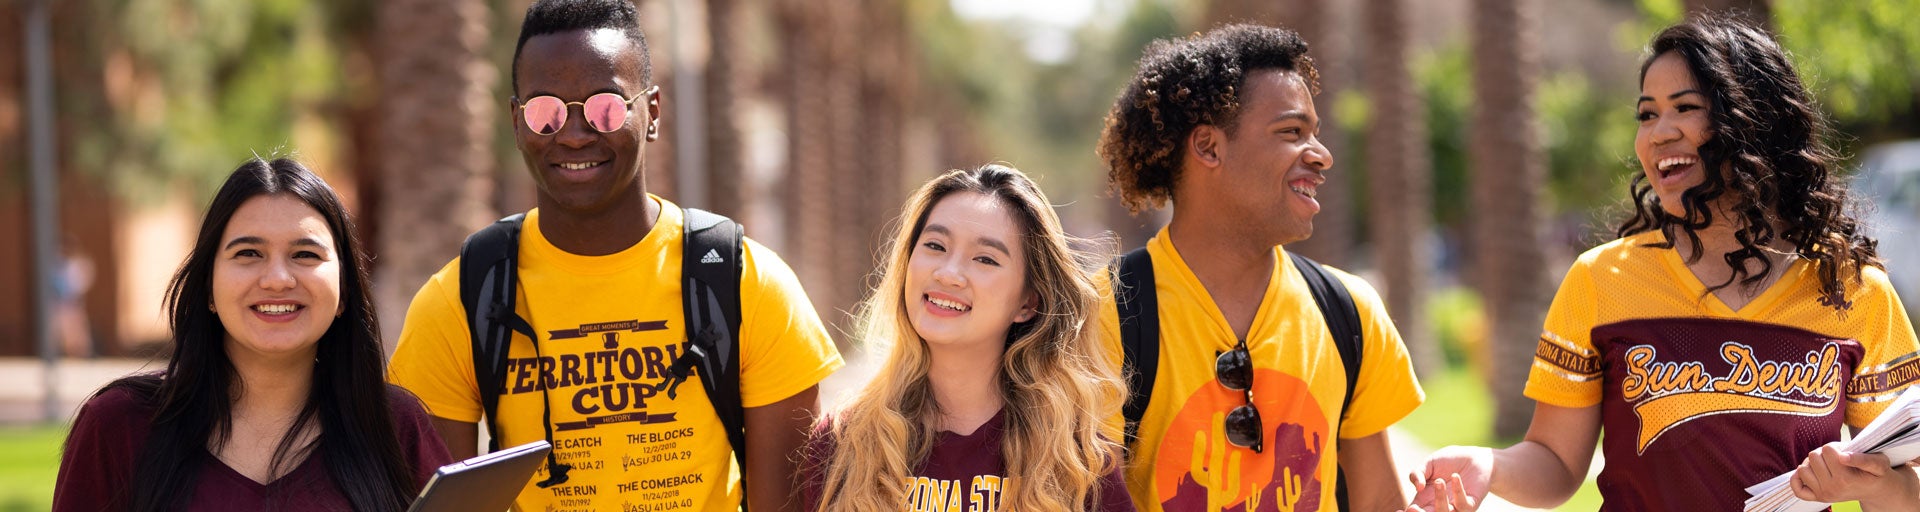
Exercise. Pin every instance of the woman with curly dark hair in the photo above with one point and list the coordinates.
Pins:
(1737, 323)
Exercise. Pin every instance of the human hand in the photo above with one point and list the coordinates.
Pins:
(1455, 478)
(1830, 475)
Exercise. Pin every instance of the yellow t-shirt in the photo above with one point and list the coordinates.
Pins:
(1698, 400)
(1182, 461)
(608, 328)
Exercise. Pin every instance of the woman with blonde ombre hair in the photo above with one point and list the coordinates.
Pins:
(993, 396)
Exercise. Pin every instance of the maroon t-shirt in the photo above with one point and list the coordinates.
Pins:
(1696, 409)
(109, 433)
(963, 472)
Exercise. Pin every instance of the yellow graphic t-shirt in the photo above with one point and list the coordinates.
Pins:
(609, 326)
(1698, 401)
(1182, 460)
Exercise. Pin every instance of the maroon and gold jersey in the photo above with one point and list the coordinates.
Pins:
(1698, 401)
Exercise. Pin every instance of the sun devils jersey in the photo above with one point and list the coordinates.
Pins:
(1699, 401)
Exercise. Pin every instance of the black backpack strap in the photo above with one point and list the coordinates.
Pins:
(1134, 296)
(1343, 319)
(710, 297)
(489, 269)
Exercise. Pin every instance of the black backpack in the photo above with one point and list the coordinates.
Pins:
(710, 301)
(1140, 335)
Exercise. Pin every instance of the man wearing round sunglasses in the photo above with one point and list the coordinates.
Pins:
(599, 284)
(1249, 404)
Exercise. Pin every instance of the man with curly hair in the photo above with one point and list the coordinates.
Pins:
(1249, 405)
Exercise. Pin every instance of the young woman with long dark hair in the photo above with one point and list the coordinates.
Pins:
(275, 396)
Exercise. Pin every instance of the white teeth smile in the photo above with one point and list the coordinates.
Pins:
(1305, 190)
(948, 304)
(276, 309)
(578, 165)
(1668, 163)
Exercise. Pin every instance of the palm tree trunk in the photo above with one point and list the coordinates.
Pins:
(809, 182)
(886, 72)
(849, 256)
(436, 83)
(1334, 229)
(1507, 175)
(1400, 180)
(726, 162)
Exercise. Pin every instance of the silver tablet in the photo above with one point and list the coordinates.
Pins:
(487, 482)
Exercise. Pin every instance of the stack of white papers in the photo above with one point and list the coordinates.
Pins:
(1896, 434)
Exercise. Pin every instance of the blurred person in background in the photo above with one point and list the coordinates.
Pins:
(70, 286)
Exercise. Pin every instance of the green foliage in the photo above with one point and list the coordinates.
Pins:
(1445, 77)
(1858, 56)
(1042, 117)
(1660, 13)
(1588, 134)
(1585, 133)
(1459, 323)
(191, 88)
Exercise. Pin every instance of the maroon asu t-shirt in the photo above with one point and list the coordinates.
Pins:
(965, 473)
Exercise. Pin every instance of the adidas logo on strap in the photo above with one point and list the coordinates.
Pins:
(711, 257)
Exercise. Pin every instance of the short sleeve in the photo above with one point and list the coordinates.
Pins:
(1566, 368)
(813, 464)
(1891, 361)
(1113, 491)
(422, 444)
(434, 357)
(96, 467)
(784, 348)
(1106, 332)
(1387, 389)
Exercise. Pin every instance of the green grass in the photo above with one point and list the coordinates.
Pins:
(29, 459)
(1459, 411)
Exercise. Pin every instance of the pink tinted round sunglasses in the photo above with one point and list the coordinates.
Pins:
(605, 112)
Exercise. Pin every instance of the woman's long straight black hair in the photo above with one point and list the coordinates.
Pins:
(193, 399)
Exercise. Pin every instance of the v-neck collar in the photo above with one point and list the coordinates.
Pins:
(222, 470)
(1715, 307)
(1183, 276)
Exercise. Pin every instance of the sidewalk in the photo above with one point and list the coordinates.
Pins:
(23, 384)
